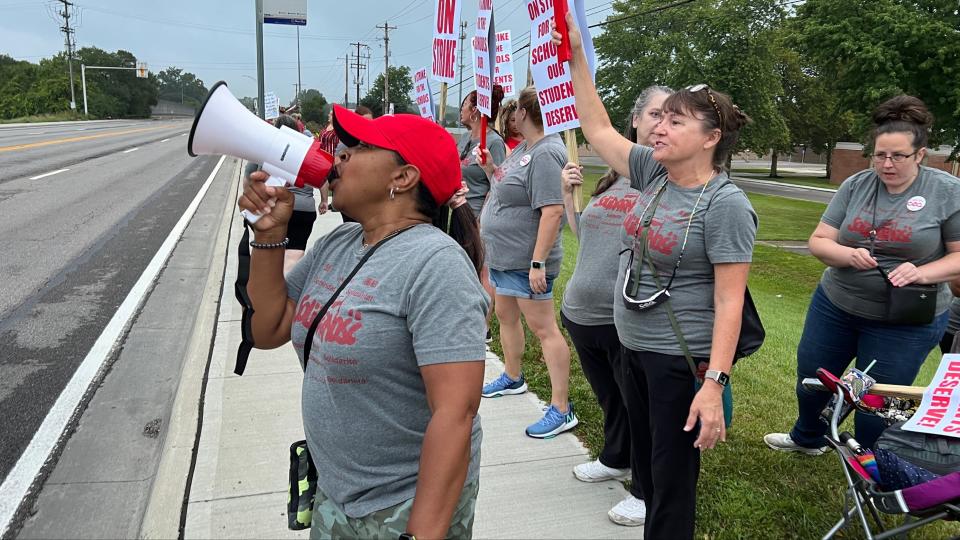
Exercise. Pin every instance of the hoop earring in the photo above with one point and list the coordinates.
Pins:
(391, 193)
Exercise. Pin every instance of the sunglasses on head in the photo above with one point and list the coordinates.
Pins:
(713, 101)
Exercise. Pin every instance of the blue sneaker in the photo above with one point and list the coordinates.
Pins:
(504, 386)
(553, 423)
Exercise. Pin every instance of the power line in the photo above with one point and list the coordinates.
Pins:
(642, 13)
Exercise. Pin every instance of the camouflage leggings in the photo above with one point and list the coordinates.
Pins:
(329, 522)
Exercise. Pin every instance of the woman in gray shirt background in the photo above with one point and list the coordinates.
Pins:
(520, 226)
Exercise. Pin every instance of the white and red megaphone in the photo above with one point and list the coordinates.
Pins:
(224, 126)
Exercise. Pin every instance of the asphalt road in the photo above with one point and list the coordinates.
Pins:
(74, 243)
(755, 186)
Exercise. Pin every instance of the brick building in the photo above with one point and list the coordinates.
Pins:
(848, 159)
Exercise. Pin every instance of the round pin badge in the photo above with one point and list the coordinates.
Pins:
(525, 160)
(916, 203)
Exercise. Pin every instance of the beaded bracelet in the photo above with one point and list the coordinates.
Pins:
(276, 245)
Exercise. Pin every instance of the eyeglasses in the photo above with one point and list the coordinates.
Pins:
(881, 157)
(713, 101)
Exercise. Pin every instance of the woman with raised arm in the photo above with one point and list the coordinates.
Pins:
(392, 381)
(888, 227)
(680, 289)
(587, 311)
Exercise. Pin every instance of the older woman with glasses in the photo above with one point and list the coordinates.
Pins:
(891, 241)
(392, 379)
(681, 286)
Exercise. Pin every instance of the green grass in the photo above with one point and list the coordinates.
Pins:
(52, 117)
(785, 219)
(745, 489)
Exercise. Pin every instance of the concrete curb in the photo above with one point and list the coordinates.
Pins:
(162, 516)
(780, 184)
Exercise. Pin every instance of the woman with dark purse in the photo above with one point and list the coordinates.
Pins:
(587, 310)
(393, 374)
(681, 287)
(890, 239)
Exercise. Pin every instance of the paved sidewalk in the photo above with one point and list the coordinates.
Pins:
(527, 489)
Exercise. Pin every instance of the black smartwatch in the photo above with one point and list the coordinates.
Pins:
(537, 265)
(407, 536)
(720, 377)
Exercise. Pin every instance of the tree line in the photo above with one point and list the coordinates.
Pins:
(808, 73)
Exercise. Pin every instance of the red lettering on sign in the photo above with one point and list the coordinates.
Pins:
(445, 15)
(443, 56)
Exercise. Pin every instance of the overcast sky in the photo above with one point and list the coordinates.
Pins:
(216, 40)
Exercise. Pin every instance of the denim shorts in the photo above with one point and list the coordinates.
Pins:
(517, 283)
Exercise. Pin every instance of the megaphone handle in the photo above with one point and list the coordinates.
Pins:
(272, 181)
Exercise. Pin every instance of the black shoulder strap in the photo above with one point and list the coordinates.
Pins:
(308, 344)
(240, 291)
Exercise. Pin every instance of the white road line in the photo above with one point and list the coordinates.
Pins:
(48, 174)
(18, 482)
(134, 149)
(165, 140)
(183, 134)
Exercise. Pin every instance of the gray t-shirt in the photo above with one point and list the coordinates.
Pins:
(911, 226)
(588, 298)
(722, 231)
(526, 181)
(302, 197)
(416, 302)
(473, 174)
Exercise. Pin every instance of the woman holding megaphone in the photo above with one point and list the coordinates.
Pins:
(393, 374)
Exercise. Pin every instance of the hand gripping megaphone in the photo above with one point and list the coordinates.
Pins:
(224, 126)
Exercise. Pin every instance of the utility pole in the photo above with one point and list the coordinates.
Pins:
(386, 65)
(463, 36)
(261, 109)
(299, 86)
(68, 33)
(346, 80)
(357, 64)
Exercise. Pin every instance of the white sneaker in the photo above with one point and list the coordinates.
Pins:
(595, 471)
(630, 512)
(783, 443)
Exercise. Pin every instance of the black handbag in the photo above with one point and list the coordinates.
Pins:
(910, 304)
(302, 488)
(752, 332)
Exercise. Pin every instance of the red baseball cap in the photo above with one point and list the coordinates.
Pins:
(420, 142)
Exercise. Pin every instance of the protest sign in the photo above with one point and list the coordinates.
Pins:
(939, 412)
(551, 77)
(446, 22)
(271, 106)
(503, 69)
(484, 56)
(424, 96)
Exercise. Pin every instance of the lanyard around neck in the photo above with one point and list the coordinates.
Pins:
(646, 221)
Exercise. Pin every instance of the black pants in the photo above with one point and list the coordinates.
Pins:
(599, 350)
(659, 389)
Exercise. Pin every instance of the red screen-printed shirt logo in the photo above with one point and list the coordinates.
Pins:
(888, 232)
(336, 326)
(613, 203)
(657, 239)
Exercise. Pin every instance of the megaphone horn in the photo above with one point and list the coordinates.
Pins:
(224, 126)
